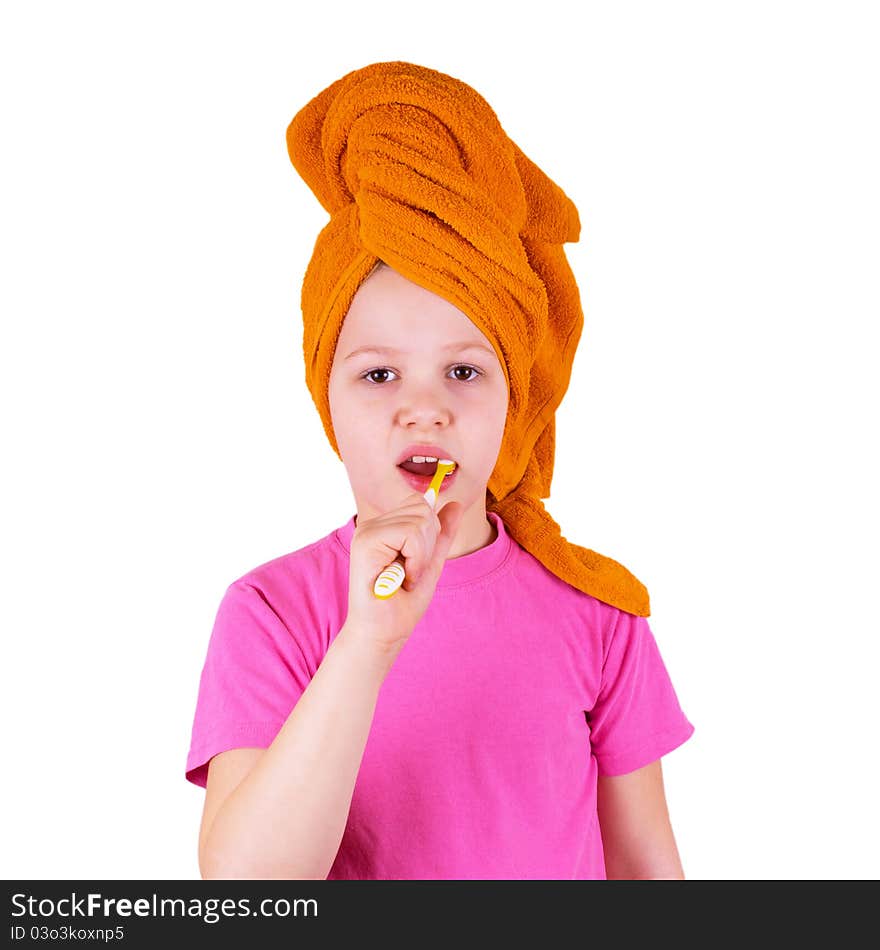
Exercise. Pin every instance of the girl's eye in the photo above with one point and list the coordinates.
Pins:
(384, 369)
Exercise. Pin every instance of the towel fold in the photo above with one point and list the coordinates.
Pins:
(415, 170)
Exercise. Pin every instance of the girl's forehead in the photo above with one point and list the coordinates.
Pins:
(400, 306)
(386, 284)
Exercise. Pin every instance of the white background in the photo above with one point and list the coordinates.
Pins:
(719, 436)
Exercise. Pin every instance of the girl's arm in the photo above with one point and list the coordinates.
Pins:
(281, 813)
(636, 832)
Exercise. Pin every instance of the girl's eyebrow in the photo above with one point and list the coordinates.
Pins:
(466, 345)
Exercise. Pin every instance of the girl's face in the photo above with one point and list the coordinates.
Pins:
(431, 376)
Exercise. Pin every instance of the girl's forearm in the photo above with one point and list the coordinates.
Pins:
(287, 816)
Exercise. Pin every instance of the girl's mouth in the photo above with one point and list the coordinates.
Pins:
(420, 482)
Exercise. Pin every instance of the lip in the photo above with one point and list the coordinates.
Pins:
(423, 448)
(420, 483)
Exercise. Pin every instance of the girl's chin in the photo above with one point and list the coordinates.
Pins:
(404, 483)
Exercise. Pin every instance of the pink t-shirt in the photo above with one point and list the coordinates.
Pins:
(513, 693)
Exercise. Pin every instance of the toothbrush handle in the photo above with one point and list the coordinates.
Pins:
(388, 582)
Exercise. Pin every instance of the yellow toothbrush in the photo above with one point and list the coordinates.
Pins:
(393, 575)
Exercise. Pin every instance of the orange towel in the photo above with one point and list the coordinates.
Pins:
(415, 170)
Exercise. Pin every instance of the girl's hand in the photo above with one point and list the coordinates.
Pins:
(419, 535)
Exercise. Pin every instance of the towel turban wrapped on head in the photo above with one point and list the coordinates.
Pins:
(415, 170)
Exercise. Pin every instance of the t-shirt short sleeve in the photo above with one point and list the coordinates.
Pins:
(253, 675)
(636, 718)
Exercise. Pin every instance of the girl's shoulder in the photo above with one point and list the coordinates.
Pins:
(316, 566)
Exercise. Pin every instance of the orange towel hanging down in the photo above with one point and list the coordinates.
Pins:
(415, 170)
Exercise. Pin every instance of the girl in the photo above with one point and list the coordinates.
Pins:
(503, 715)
